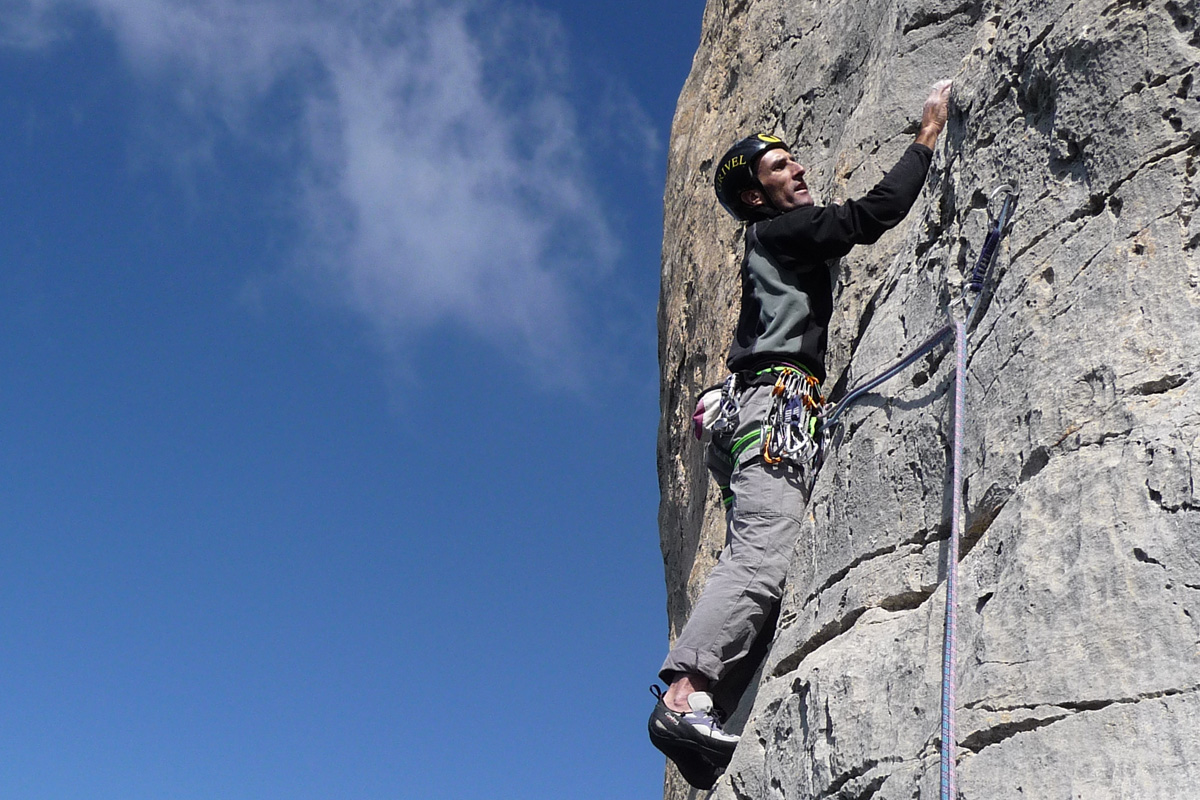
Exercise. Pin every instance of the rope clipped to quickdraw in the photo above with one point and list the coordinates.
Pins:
(976, 283)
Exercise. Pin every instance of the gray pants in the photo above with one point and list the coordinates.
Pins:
(761, 530)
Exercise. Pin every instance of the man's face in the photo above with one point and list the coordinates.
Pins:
(783, 178)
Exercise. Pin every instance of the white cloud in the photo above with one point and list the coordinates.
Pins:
(443, 170)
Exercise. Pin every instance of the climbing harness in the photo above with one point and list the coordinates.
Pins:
(788, 432)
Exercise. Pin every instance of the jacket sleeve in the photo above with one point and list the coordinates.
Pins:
(805, 238)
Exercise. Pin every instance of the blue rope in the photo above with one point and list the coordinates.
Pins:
(891, 372)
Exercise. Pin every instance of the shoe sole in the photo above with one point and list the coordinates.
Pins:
(671, 732)
(689, 757)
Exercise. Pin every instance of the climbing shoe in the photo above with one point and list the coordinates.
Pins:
(692, 739)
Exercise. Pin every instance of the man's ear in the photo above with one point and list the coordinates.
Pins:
(753, 198)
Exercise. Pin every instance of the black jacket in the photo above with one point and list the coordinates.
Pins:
(787, 279)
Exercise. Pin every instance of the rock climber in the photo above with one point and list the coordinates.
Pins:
(786, 304)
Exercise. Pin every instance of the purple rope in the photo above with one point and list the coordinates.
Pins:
(950, 648)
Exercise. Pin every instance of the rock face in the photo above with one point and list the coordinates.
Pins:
(1079, 638)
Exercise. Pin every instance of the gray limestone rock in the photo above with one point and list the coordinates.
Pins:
(1079, 607)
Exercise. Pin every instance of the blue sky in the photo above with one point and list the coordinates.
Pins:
(329, 396)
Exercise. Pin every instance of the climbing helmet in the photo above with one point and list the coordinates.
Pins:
(736, 171)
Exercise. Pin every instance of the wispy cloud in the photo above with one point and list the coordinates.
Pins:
(440, 160)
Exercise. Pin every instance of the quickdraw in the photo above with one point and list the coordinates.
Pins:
(976, 282)
(730, 408)
(788, 432)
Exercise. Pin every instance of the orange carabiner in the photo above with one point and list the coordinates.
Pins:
(780, 384)
(767, 450)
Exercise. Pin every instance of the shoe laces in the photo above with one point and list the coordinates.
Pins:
(712, 712)
(708, 713)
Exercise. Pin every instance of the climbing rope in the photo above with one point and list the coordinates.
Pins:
(950, 643)
(855, 394)
(976, 283)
